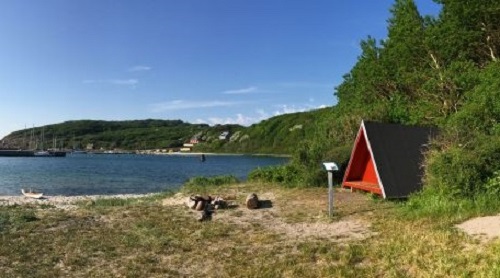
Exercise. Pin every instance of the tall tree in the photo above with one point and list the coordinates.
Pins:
(405, 58)
(469, 30)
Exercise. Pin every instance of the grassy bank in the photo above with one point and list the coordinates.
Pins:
(291, 237)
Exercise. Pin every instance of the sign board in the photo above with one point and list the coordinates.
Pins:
(330, 167)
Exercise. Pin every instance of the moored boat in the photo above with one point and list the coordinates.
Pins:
(31, 194)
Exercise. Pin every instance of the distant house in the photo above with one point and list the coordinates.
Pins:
(224, 135)
(194, 140)
(197, 138)
(386, 159)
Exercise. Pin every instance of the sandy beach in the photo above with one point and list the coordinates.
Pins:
(63, 202)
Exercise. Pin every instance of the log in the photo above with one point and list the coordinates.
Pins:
(252, 201)
(200, 205)
(219, 203)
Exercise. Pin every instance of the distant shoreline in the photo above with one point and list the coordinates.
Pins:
(222, 154)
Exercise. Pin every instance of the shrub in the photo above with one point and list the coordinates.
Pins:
(462, 170)
(288, 175)
(212, 181)
(202, 185)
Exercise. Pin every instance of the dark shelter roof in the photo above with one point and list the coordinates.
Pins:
(397, 152)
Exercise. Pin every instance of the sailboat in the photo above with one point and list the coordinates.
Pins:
(42, 153)
(49, 153)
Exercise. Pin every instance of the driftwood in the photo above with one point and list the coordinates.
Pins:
(219, 203)
(252, 201)
(198, 202)
(201, 203)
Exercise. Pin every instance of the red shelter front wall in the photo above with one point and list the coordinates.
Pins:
(361, 173)
(369, 174)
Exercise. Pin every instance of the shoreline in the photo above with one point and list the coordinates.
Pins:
(218, 154)
(65, 202)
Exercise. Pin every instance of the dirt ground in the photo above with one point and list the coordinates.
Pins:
(278, 209)
(485, 228)
(294, 217)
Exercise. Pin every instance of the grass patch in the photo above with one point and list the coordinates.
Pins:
(203, 185)
(134, 238)
(434, 205)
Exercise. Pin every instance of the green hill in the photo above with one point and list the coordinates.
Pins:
(127, 135)
(277, 135)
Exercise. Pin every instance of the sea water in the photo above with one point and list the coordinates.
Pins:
(93, 174)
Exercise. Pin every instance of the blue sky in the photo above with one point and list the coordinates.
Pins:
(215, 62)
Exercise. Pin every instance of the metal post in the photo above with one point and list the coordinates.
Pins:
(330, 193)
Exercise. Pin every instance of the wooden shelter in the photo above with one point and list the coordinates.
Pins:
(386, 159)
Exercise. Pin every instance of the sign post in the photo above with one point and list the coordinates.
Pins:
(330, 167)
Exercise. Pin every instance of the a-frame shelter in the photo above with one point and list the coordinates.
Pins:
(387, 159)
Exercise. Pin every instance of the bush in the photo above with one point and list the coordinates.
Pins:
(212, 181)
(306, 168)
(202, 185)
(431, 202)
(463, 171)
(469, 156)
(288, 175)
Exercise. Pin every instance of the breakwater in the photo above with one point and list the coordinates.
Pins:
(30, 153)
(17, 153)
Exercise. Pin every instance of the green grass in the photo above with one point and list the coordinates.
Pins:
(143, 238)
(203, 185)
(432, 204)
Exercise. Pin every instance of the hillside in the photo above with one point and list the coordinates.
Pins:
(275, 135)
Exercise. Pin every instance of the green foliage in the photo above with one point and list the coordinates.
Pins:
(287, 175)
(434, 203)
(306, 168)
(469, 151)
(203, 185)
(276, 135)
(492, 185)
(14, 217)
(131, 135)
(212, 181)
(112, 202)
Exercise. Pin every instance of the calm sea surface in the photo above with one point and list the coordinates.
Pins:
(88, 174)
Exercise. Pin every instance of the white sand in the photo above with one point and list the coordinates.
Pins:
(486, 228)
(64, 202)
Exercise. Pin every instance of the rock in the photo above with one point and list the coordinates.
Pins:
(252, 201)
(198, 202)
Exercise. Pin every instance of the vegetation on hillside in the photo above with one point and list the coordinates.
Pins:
(277, 135)
(439, 71)
(446, 75)
(128, 135)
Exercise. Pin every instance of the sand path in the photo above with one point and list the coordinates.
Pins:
(485, 228)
